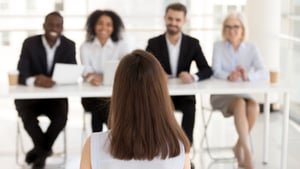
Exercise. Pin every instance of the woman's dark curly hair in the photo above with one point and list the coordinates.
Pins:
(118, 25)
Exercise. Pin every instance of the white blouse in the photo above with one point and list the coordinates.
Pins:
(101, 157)
(93, 55)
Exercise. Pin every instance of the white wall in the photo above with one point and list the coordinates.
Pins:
(264, 29)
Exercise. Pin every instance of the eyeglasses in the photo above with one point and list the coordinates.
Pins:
(234, 27)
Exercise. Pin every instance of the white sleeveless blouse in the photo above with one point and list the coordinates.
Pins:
(102, 159)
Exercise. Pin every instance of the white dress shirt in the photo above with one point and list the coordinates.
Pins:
(93, 55)
(226, 59)
(174, 51)
(50, 53)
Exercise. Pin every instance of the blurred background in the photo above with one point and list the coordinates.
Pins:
(144, 19)
(274, 27)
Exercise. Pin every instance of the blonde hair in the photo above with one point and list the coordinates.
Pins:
(239, 16)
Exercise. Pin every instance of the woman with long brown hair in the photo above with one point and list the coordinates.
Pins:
(143, 130)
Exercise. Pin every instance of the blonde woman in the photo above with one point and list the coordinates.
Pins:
(235, 59)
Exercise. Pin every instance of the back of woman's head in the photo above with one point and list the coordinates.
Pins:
(141, 114)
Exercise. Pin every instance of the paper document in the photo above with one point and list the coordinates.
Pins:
(110, 68)
(67, 73)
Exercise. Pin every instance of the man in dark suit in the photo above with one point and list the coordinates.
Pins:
(38, 57)
(176, 51)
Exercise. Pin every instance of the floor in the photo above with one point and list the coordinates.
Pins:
(221, 132)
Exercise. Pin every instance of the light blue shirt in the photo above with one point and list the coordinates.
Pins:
(225, 60)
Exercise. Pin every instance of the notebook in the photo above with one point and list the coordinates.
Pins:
(67, 73)
(109, 68)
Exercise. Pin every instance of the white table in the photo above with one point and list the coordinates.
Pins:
(211, 86)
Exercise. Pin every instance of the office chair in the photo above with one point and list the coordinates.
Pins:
(212, 151)
(20, 145)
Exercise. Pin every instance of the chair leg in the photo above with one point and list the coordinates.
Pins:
(205, 126)
(19, 143)
(204, 140)
(18, 138)
(65, 146)
(63, 153)
(251, 144)
(84, 132)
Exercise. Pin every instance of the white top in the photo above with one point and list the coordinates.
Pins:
(174, 52)
(50, 51)
(93, 55)
(225, 60)
(101, 158)
(174, 55)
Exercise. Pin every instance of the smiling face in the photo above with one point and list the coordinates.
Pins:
(53, 27)
(104, 28)
(233, 30)
(174, 21)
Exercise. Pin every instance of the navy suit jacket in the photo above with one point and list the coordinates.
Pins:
(190, 50)
(33, 59)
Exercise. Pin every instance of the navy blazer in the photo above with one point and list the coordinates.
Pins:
(190, 50)
(33, 59)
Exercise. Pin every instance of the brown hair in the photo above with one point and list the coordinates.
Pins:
(141, 115)
(177, 7)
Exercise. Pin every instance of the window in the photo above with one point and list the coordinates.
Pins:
(5, 39)
(4, 5)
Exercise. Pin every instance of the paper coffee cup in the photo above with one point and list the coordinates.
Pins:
(274, 76)
(13, 77)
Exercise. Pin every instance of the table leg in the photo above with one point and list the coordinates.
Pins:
(266, 129)
(285, 130)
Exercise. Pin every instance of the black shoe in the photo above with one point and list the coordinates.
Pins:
(49, 153)
(40, 161)
(192, 165)
(31, 156)
(39, 165)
